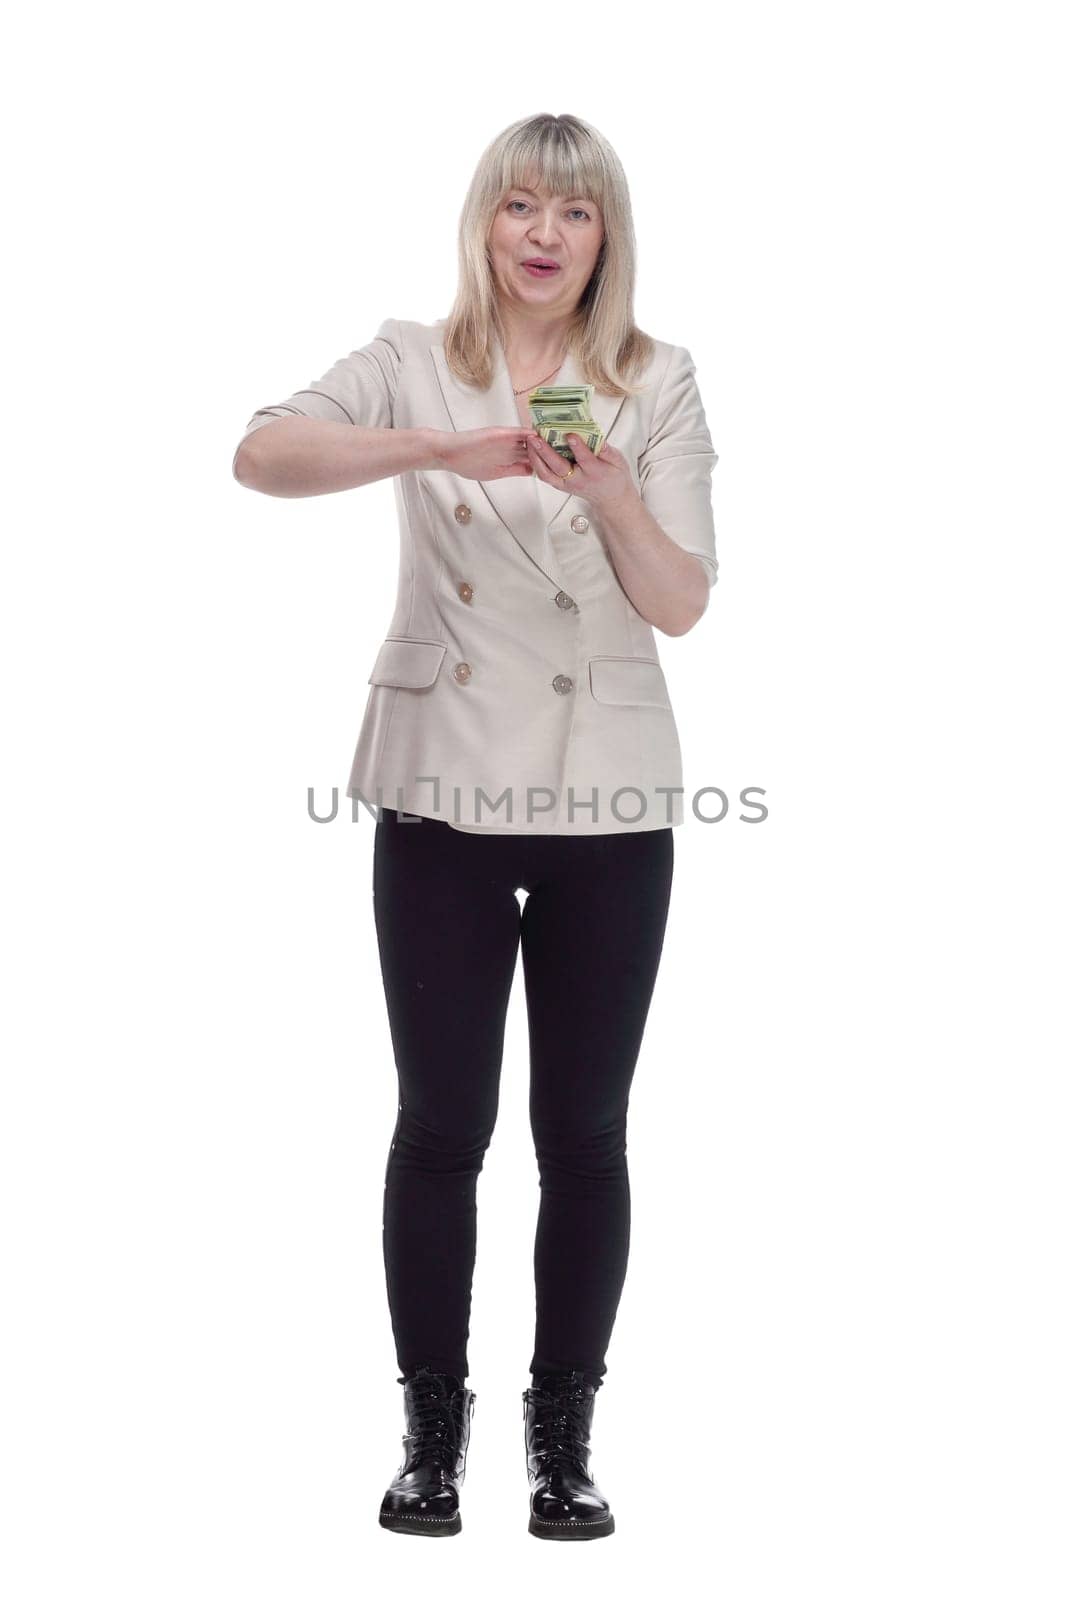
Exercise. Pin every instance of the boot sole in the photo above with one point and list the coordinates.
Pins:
(548, 1528)
(411, 1522)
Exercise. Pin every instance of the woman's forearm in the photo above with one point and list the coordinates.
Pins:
(296, 456)
(666, 584)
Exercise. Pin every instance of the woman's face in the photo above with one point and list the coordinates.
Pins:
(565, 229)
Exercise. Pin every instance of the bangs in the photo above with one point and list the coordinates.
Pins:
(551, 160)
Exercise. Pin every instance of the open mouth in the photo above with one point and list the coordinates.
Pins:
(538, 270)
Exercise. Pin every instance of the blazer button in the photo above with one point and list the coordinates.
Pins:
(579, 523)
(561, 683)
(461, 671)
(465, 591)
(564, 601)
(463, 513)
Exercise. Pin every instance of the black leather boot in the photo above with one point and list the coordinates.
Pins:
(565, 1502)
(424, 1494)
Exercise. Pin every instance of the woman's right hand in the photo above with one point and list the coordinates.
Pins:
(485, 453)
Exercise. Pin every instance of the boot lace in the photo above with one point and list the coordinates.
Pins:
(434, 1424)
(558, 1431)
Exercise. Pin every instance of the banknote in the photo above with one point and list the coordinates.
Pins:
(565, 409)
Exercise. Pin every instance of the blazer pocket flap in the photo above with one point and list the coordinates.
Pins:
(628, 681)
(404, 663)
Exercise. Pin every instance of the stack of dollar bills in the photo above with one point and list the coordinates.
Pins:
(562, 410)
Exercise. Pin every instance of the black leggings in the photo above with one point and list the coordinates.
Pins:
(449, 929)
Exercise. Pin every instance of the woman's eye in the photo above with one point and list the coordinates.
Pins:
(516, 203)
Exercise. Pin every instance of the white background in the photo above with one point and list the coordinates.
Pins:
(837, 1368)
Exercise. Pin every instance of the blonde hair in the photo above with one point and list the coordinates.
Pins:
(568, 157)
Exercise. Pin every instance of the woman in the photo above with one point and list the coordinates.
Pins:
(518, 695)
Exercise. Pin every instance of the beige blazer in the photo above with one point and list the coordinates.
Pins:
(517, 690)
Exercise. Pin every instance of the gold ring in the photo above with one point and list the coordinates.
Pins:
(569, 471)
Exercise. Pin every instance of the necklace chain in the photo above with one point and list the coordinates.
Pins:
(539, 382)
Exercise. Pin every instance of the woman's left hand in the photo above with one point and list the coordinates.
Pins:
(603, 478)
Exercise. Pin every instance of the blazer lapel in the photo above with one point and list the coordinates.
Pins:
(524, 504)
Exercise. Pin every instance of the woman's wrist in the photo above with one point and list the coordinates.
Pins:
(433, 448)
